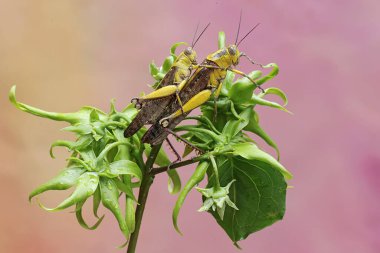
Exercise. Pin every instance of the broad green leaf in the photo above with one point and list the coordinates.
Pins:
(86, 186)
(259, 194)
(251, 152)
(65, 180)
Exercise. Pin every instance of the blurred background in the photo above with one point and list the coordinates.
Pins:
(66, 54)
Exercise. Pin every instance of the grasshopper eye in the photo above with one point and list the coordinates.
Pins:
(231, 51)
(188, 51)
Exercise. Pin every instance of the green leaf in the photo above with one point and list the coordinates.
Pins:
(167, 64)
(174, 182)
(174, 47)
(242, 90)
(153, 69)
(86, 186)
(256, 100)
(96, 202)
(130, 217)
(81, 116)
(65, 180)
(196, 178)
(251, 152)
(81, 129)
(81, 221)
(259, 192)
(94, 116)
(254, 127)
(125, 167)
(233, 127)
(110, 200)
(126, 188)
(275, 91)
(272, 73)
(227, 83)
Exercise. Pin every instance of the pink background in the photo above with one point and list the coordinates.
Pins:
(65, 54)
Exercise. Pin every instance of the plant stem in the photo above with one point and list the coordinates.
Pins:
(143, 196)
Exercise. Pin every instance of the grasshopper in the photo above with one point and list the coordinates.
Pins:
(205, 81)
(152, 105)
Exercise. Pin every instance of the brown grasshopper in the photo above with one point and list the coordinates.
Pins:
(152, 105)
(206, 80)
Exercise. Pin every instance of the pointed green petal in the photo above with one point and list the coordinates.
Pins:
(65, 180)
(81, 221)
(86, 186)
(110, 200)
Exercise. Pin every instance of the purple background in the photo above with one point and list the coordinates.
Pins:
(65, 54)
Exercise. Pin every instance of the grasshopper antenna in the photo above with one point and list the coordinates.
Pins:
(196, 30)
(237, 34)
(247, 34)
(200, 35)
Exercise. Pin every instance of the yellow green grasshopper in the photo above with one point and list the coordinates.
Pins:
(205, 81)
(152, 105)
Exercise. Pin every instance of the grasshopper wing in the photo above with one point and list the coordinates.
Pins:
(198, 82)
(151, 108)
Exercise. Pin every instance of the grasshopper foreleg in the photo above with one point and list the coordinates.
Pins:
(252, 61)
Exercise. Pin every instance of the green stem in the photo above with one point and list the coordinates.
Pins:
(214, 166)
(143, 196)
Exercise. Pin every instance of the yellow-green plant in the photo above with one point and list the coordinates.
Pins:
(246, 187)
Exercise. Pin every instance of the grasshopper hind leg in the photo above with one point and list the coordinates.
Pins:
(178, 157)
(169, 131)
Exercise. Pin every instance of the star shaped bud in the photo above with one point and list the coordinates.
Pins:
(216, 199)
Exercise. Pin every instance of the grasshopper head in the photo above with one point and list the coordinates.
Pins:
(234, 54)
(191, 55)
